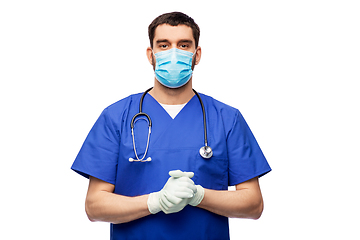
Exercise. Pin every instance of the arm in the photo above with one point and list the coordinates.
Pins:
(245, 202)
(104, 205)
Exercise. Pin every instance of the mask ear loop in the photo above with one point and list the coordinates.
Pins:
(193, 61)
(153, 59)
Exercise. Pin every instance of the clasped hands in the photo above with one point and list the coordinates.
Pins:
(178, 192)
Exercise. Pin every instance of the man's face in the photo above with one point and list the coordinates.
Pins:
(167, 37)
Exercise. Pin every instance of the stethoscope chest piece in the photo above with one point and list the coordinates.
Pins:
(206, 152)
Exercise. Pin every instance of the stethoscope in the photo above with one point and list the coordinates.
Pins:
(205, 151)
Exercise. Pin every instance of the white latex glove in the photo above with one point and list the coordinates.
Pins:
(198, 196)
(199, 193)
(175, 194)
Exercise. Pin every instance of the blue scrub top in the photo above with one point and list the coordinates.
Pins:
(174, 144)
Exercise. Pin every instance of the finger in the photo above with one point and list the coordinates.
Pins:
(176, 173)
(164, 204)
(186, 193)
(185, 180)
(170, 199)
(188, 174)
(192, 187)
(172, 208)
(179, 173)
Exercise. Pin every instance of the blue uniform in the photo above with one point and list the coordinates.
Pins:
(174, 144)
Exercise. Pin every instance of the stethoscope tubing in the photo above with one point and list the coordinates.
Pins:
(204, 117)
(205, 152)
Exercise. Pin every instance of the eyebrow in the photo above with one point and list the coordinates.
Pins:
(162, 41)
(167, 41)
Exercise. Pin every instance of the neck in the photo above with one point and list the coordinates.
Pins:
(172, 96)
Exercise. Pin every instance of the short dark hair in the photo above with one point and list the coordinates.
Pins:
(174, 19)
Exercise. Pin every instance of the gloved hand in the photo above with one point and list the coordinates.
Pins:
(199, 193)
(175, 194)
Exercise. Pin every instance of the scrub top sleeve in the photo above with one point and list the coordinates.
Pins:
(246, 159)
(99, 153)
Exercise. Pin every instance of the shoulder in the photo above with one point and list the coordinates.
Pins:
(123, 103)
(218, 106)
(118, 110)
(221, 114)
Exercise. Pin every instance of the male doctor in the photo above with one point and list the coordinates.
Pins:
(177, 194)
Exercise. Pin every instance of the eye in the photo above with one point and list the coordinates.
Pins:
(184, 46)
(163, 46)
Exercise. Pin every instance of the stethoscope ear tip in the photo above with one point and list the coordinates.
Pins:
(131, 159)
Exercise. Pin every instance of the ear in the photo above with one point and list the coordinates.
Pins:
(198, 55)
(149, 55)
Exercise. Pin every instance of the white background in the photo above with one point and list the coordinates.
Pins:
(291, 67)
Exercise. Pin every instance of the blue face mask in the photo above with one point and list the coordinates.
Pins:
(173, 67)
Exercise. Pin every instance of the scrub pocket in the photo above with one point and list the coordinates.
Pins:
(211, 173)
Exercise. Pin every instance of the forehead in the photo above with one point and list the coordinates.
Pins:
(173, 33)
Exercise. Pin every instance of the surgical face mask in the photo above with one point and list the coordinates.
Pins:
(173, 67)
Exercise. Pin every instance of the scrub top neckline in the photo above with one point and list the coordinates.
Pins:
(173, 110)
(163, 110)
